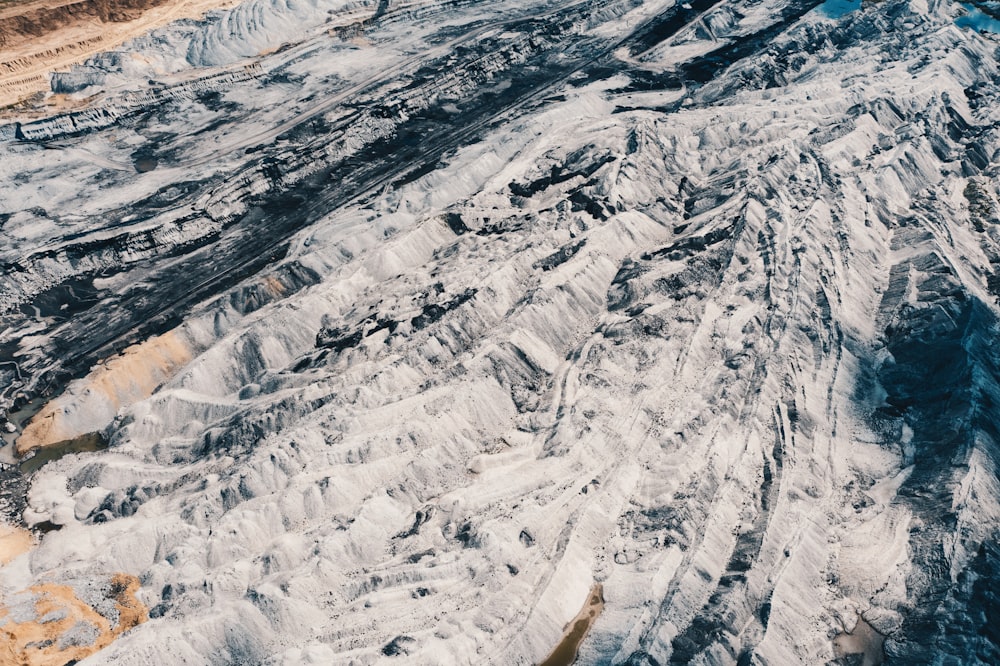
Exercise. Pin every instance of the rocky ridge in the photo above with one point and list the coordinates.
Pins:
(693, 304)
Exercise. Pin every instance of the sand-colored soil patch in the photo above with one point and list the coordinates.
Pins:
(14, 541)
(92, 403)
(63, 628)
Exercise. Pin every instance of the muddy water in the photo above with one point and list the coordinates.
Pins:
(144, 164)
(18, 418)
(565, 652)
(863, 641)
(90, 442)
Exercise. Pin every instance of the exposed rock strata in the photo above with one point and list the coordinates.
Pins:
(691, 302)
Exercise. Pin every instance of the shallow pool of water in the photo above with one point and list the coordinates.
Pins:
(838, 8)
(976, 19)
(863, 646)
(83, 444)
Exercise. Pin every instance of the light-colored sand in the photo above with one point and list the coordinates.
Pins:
(57, 610)
(122, 380)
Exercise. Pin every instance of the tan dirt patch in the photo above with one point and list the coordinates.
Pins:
(123, 380)
(43, 640)
(14, 541)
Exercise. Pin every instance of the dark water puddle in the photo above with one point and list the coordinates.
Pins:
(144, 164)
(65, 299)
(45, 527)
(83, 444)
(566, 651)
(837, 8)
(863, 646)
(20, 415)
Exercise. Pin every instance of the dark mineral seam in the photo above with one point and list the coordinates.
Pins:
(260, 237)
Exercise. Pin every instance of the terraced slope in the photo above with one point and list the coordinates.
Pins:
(407, 336)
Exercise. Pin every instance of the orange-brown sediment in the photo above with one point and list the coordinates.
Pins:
(57, 610)
(14, 541)
(121, 381)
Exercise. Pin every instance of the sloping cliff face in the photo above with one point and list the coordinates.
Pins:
(439, 328)
(37, 21)
(41, 39)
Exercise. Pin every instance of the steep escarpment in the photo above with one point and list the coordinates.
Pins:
(33, 21)
(40, 37)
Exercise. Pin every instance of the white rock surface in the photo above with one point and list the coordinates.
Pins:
(737, 369)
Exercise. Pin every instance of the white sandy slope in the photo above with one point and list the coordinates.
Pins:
(660, 423)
